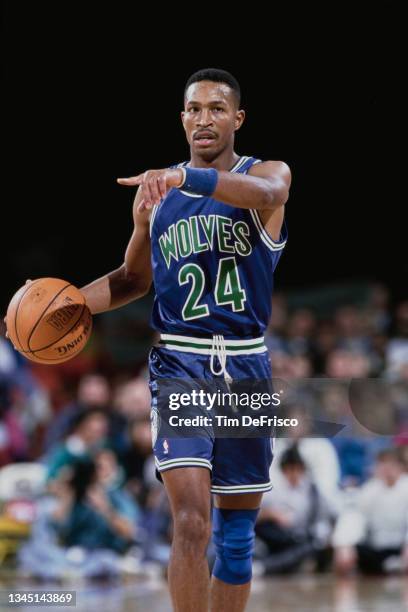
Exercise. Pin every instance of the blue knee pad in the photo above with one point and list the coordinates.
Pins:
(233, 537)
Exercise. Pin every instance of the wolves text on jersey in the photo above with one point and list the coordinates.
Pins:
(201, 233)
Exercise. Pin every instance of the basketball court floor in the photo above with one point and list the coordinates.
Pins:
(300, 593)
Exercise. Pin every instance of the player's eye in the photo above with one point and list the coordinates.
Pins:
(193, 109)
(219, 109)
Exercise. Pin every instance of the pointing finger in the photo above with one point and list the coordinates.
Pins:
(132, 180)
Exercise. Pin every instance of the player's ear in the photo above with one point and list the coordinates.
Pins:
(239, 119)
(182, 114)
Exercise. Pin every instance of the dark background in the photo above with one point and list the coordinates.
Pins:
(87, 100)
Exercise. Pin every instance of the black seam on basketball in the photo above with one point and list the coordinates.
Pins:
(67, 332)
(84, 305)
(82, 346)
(42, 314)
(15, 316)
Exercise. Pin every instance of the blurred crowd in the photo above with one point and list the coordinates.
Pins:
(78, 489)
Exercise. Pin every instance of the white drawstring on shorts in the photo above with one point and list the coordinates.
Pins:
(218, 350)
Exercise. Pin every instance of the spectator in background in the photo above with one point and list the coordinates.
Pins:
(139, 449)
(29, 408)
(87, 527)
(372, 533)
(93, 391)
(318, 454)
(397, 350)
(378, 311)
(276, 331)
(356, 454)
(344, 363)
(111, 476)
(112, 479)
(350, 328)
(13, 440)
(300, 331)
(132, 400)
(88, 435)
(294, 520)
(89, 515)
(325, 341)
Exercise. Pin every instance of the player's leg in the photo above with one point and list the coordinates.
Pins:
(234, 519)
(188, 489)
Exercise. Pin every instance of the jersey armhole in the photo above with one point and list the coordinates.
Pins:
(152, 216)
(273, 245)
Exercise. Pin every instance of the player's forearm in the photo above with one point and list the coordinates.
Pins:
(115, 289)
(243, 191)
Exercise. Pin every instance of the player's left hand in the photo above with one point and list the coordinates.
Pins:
(3, 328)
(154, 184)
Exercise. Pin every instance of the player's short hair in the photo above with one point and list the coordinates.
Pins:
(217, 76)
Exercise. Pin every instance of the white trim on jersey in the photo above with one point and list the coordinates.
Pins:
(207, 341)
(203, 346)
(182, 462)
(239, 163)
(152, 216)
(242, 488)
(265, 237)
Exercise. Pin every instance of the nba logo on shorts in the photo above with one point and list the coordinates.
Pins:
(165, 446)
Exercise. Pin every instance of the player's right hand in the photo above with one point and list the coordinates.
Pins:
(154, 185)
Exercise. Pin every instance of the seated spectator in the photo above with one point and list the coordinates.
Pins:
(87, 528)
(318, 454)
(88, 435)
(92, 515)
(111, 476)
(93, 391)
(139, 448)
(294, 521)
(132, 399)
(372, 533)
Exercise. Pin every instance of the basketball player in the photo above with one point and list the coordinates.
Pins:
(209, 233)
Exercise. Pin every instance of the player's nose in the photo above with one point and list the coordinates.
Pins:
(204, 118)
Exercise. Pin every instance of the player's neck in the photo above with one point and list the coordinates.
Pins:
(225, 161)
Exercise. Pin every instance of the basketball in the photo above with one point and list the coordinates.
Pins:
(48, 321)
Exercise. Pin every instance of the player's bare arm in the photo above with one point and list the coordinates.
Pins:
(133, 278)
(265, 187)
(272, 219)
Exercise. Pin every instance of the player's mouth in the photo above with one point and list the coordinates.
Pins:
(204, 138)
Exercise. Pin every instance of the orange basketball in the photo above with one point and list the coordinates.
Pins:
(48, 320)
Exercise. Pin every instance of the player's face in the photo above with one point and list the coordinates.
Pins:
(210, 117)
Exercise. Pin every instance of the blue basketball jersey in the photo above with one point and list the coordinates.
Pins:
(212, 265)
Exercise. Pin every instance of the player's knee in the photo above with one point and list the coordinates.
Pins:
(233, 537)
(192, 529)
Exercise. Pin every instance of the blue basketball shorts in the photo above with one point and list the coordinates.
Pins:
(237, 465)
